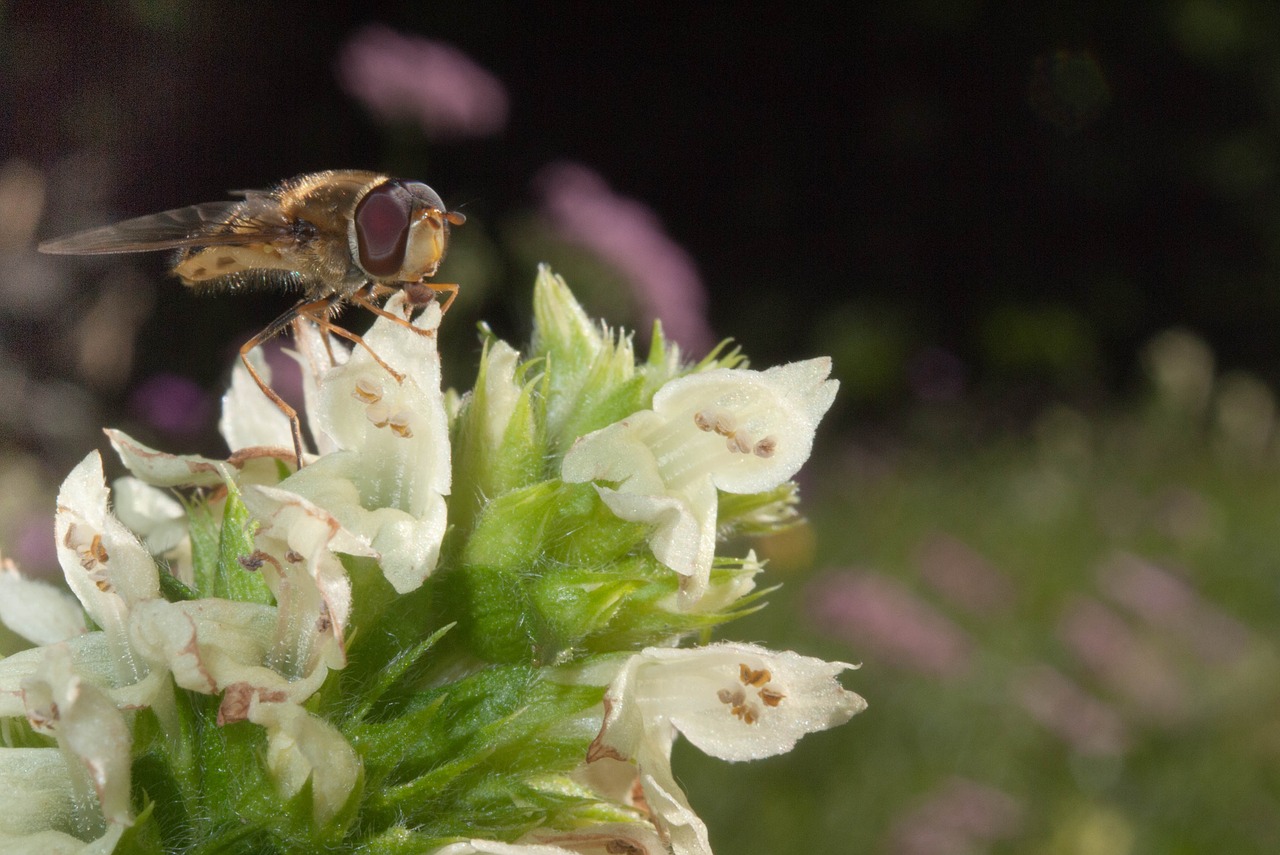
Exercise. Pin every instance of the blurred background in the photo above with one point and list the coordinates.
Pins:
(1042, 243)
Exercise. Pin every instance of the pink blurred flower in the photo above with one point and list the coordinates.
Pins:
(1088, 724)
(627, 234)
(408, 77)
(1170, 604)
(959, 816)
(963, 576)
(34, 546)
(1128, 664)
(880, 615)
(173, 404)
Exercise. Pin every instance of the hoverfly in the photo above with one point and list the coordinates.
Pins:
(342, 236)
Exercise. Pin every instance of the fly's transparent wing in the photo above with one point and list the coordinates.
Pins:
(253, 220)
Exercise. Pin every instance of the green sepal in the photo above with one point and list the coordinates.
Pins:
(205, 532)
(144, 837)
(758, 514)
(492, 459)
(460, 756)
(217, 547)
(521, 540)
(591, 371)
(174, 589)
(386, 677)
(235, 580)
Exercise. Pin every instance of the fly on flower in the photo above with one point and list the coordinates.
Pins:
(342, 236)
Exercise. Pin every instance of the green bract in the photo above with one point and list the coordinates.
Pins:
(455, 629)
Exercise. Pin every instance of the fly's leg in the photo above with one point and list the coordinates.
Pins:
(418, 293)
(450, 288)
(316, 311)
(303, 308)
(321, 320)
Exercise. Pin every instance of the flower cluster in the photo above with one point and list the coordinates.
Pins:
(455, 629)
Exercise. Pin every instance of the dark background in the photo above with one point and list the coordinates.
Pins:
(992, 200)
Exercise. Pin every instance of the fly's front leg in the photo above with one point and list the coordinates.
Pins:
(417, 294)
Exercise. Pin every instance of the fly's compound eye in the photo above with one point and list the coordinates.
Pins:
(382, 220)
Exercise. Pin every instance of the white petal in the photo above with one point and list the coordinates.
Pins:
(249, 417)
(37, 790)
(406, 541)
(165, 470)
(37, 611)
(60, 843)
(501, 392)
(302, 746)
(207, 644)
(153, 514)
(633, 838)
(684, 535)
(347, 391)
(684, 829)
(253, 465)
(316, 353)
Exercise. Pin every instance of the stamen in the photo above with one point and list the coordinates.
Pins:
(724, 424)
(754, 679)
(738, 444)
(379, 414)
(367, 391)
(731, 696)
(766, 447)
(399, 424)
(98, 550)
(771, 697)
(705, 420)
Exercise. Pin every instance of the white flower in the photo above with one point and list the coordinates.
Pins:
(384, 467)
(92, 736)
(730, 429)
(302, 746)
(105, 566)
(211, 645)
(733, 701)
(297, 545)
(389, 473)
